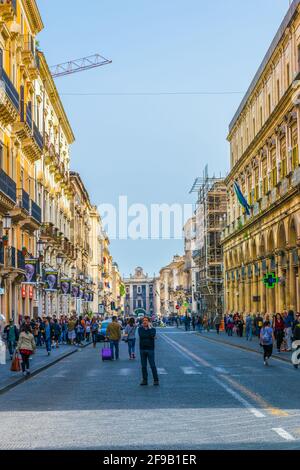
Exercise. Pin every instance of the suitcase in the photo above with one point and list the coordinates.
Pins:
(106, 352)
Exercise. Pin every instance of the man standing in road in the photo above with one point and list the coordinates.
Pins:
(113, 333)
(12, 335)
(147, 335)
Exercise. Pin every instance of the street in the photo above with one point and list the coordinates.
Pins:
(211, 396)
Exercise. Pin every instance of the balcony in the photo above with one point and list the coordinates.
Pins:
(21, 211)
(8, 9)
(8, 192)
(9, 100)
(34, 220)
(11, 257)
(20, 260)
(38, 137)
(33, 145)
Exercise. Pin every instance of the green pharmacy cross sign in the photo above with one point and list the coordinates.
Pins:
(270, 280)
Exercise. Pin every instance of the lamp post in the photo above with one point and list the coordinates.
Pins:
(40, 252)
(59, 262)
(7, 223)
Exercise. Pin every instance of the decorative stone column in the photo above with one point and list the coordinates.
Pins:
(292, 283)
(279, 289)
(262, 289)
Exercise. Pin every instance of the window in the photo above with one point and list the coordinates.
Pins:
(278, 91)
(283, 158)
(288, 78)
(261, 116)
(295, 156)
(254, 129)
(298, 57)
(139, 289)
(269, 104)
(265, 178)
(274, 168)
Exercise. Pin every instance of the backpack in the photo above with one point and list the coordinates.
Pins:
(267, 336)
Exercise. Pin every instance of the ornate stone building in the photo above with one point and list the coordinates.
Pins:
(264, 140)
(140, 293)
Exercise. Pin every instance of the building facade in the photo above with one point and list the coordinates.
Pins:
(175, 289)
(208, 257)
(140, 293)
(264, 141)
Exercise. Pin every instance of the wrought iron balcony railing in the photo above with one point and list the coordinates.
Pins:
(23, 199)
(8, 186)
(9, 88)
(36, 212)
(38, 136)
(20, 260)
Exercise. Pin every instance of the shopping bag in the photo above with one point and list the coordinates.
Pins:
(15, 363)
(2, 353)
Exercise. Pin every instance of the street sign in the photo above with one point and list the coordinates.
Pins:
(101, 309)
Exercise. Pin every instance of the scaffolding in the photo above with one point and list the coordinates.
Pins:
(211, 211)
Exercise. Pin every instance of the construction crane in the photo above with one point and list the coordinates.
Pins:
(79, 65)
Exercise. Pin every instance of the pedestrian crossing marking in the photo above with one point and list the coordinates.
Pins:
(125, 371)
(191, 371)
(284, 434)
(161, 371)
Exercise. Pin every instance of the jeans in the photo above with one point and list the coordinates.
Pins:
(288, 337)
(218, 329)
(229, 331)
(249, 333)
(114, 346)
(63, 336)
(131, 346)
(25, 362)
(48, 344)
(148, 355)
(279, 335)
(11, 346)
(94, 337)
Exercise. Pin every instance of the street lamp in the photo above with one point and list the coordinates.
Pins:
(7, 221)
(59, 260)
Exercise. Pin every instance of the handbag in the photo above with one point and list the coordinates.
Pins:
(15, 364)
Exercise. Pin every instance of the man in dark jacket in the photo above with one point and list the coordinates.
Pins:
(147, 336)
(11, 333)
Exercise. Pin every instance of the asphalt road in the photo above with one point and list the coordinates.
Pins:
(212, 396)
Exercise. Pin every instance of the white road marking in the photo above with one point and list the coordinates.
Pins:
(284, 434)
(239, 398)
(92, 373)
(191, 371)
(161, 371)
(221, 370)
(60, 375)
(125, 371)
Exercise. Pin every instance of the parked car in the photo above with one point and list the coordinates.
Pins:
(102, 330)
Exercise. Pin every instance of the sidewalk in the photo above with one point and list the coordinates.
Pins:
(39, 362)
(242, 343)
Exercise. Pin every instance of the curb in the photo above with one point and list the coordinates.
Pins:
(39, 370)
(244, 348)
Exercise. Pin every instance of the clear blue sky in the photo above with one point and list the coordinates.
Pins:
(151, 148)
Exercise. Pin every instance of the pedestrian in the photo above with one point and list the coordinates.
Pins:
(26, 347)
(240, 326)
(230, 325)
(147, 335)
(71, 331)
(249, 323)
(267, 339)
(87, 330)
(130, 332)
(47, 334)
(278, 326)
(187, 322)
(259, 324)
(217, 321)
(11, 335)
(194, 323)
(289, 319)
(94, 330)
(113, 333)
(56, 331)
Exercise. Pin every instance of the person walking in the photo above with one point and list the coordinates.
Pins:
(47, 334)
(147, 335)
(87, 330)
(11, 334)
(71, 331)
(113, 333)
(278, 326)
(56, 332)
(187, 322)
(94, 330)
(193, 322)
(26, 347)
(267, 339)
(249, 324)
(240, 326)
(289, 319)
(230, 325)
(218, 320)
(130, 333)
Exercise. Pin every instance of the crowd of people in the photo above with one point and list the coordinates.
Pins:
(284, 327)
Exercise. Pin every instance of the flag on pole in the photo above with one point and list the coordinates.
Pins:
(242, 200)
